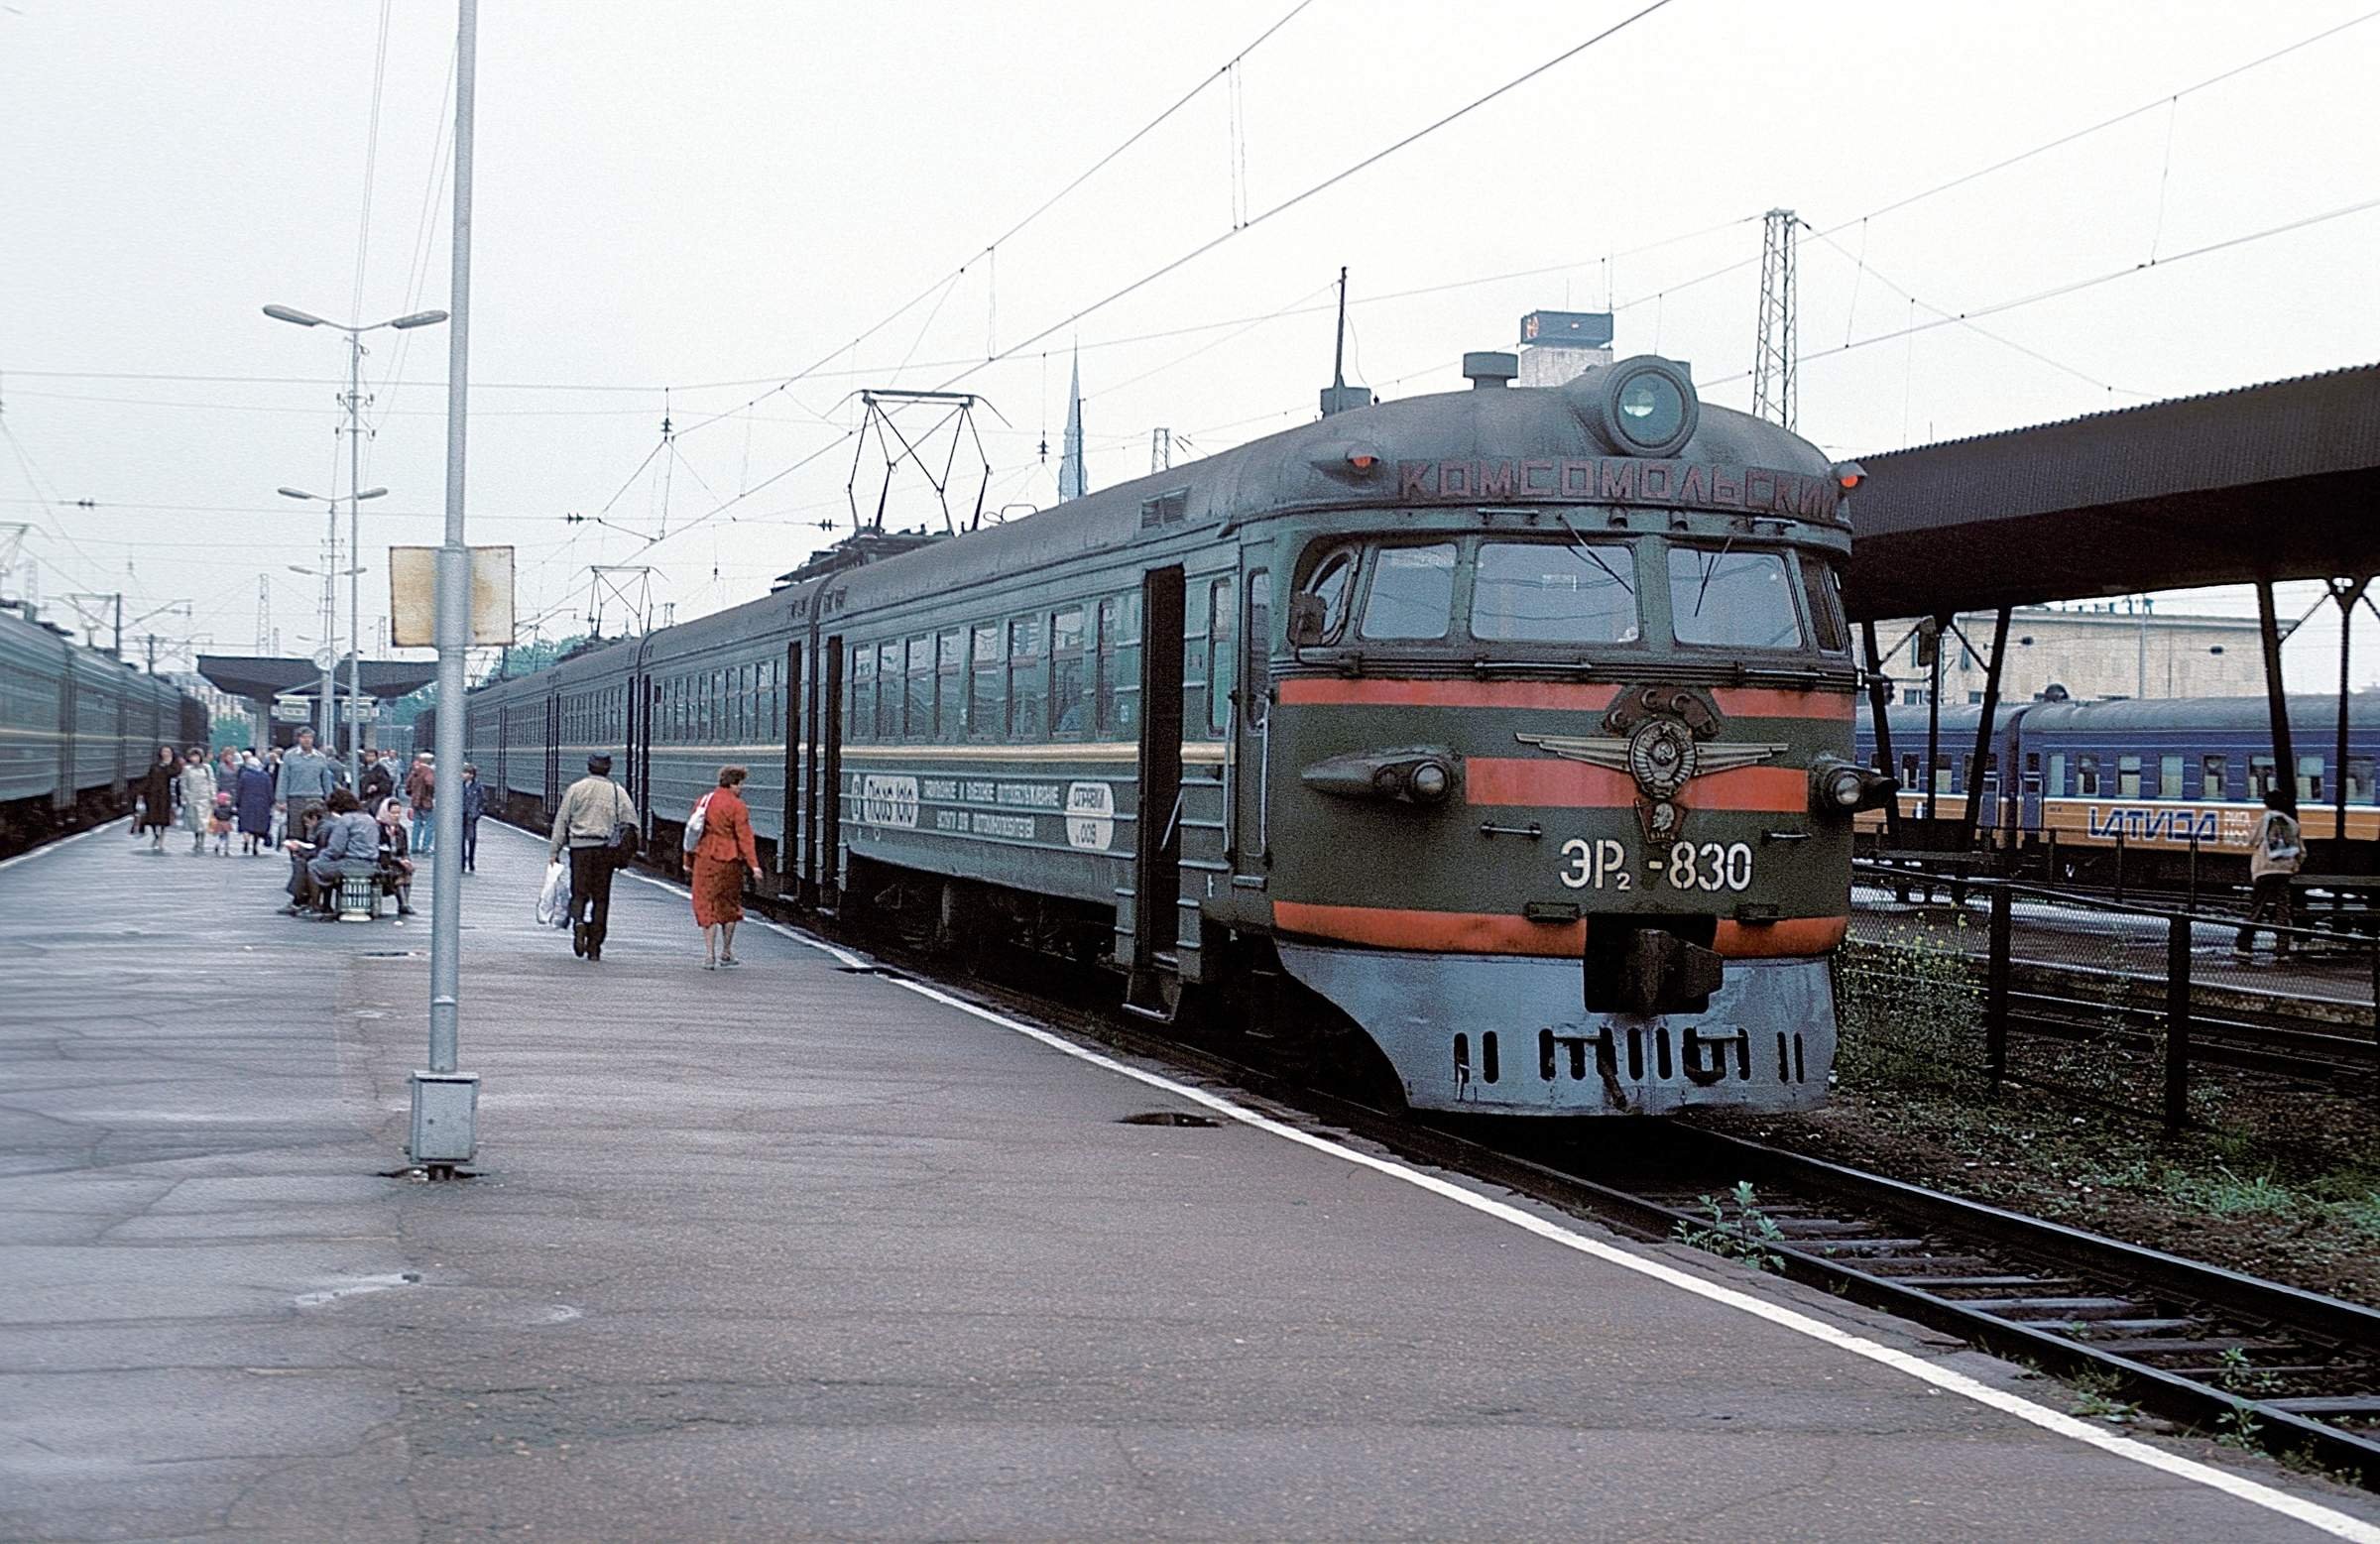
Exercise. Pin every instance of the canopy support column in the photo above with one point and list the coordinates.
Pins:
(1879, 701)
(1970, 817)
(2276, 700)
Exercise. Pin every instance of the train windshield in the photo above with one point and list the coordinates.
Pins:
(1412, 592)
(1731, 599)
(1545, 592)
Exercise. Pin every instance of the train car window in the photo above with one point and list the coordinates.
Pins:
(1736, 600)
(2359, 780)
(1221, 629)
(1555, 592)
(1127, 676)
(1412, 592)
(1824, 586)
(767, 700)
(2309, 779)
(2212, 777)
(982, 684)
(1256, 670)
(748, 705)
(950, 669)
(1103, 666)
(2127, 776)
(1333, 584)
(2086, 776)
(919, 720)
(2169, 777)
(859, 720)
(1068, 703)
(1026, 688)
(888, 691)
(2261, 779)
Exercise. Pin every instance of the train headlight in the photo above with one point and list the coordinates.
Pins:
(1841, 787)
(1651, 407)
(1640, 406)
(1406, 774)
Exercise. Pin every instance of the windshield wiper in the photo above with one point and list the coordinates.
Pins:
(1590, 553)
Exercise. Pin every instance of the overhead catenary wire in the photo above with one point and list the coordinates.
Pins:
(1314, 190)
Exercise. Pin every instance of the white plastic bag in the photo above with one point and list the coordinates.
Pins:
(553, 896)
(695, 824)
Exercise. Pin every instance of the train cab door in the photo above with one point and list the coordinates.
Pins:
(1152, 987)
(829, 830)
(788, 845)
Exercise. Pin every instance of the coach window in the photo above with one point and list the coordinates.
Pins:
(1123, 684)
(2127, 776)
(2169, 777)
(2260, 776)
(950, 669)
(860, 722)
(1735, 600)
(768, 700)
(1025, 686)
(1412, 592)
(919, 722)
(888, 691)
(987, 664)
(2212, 770)
(1554, 592)
(1066, 695)
(2086, 776)
(1255, 671)
(2309, 779)
(1221, 633)
(2359, 780)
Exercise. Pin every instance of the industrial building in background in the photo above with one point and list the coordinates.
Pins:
(2111, 649)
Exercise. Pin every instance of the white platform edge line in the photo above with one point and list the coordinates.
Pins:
(2313, 1514)
(50, 847)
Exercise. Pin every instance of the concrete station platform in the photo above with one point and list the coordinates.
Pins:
(797, 1253)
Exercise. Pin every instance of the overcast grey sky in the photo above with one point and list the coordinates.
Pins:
(683, 205)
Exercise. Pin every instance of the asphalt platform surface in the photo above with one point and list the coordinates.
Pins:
(793, 1251)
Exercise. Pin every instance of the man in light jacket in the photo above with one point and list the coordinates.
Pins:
(583, 827)
(306, 774)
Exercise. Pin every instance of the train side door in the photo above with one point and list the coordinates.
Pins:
(788, 847)
(1251, 701)
(828, 850)
(553, 754)
(1157, 830)
(649, 691)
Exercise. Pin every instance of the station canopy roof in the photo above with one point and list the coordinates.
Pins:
(242, 675)
(2281, 480)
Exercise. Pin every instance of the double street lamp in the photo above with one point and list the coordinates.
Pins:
(354, 401)
(330, 624)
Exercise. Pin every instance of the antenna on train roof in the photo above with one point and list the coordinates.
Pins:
(1338, 396)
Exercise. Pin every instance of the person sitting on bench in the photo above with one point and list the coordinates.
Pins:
(347, 844)
(395, 866)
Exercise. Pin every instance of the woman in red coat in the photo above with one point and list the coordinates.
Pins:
(721, 854)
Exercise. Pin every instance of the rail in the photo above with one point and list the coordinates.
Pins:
(2182, 983)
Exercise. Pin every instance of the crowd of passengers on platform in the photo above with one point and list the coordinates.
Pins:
(298, 802)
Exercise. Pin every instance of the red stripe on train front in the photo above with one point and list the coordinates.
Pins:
(1549, 784)
(1488, 932)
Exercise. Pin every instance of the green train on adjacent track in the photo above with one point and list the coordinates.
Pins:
(1508, 729)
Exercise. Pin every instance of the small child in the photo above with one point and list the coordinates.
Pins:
(221, 823)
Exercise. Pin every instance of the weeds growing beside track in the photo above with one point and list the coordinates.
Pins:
(2276, 1177)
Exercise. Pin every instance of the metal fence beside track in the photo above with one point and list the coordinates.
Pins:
(2119, 1002)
